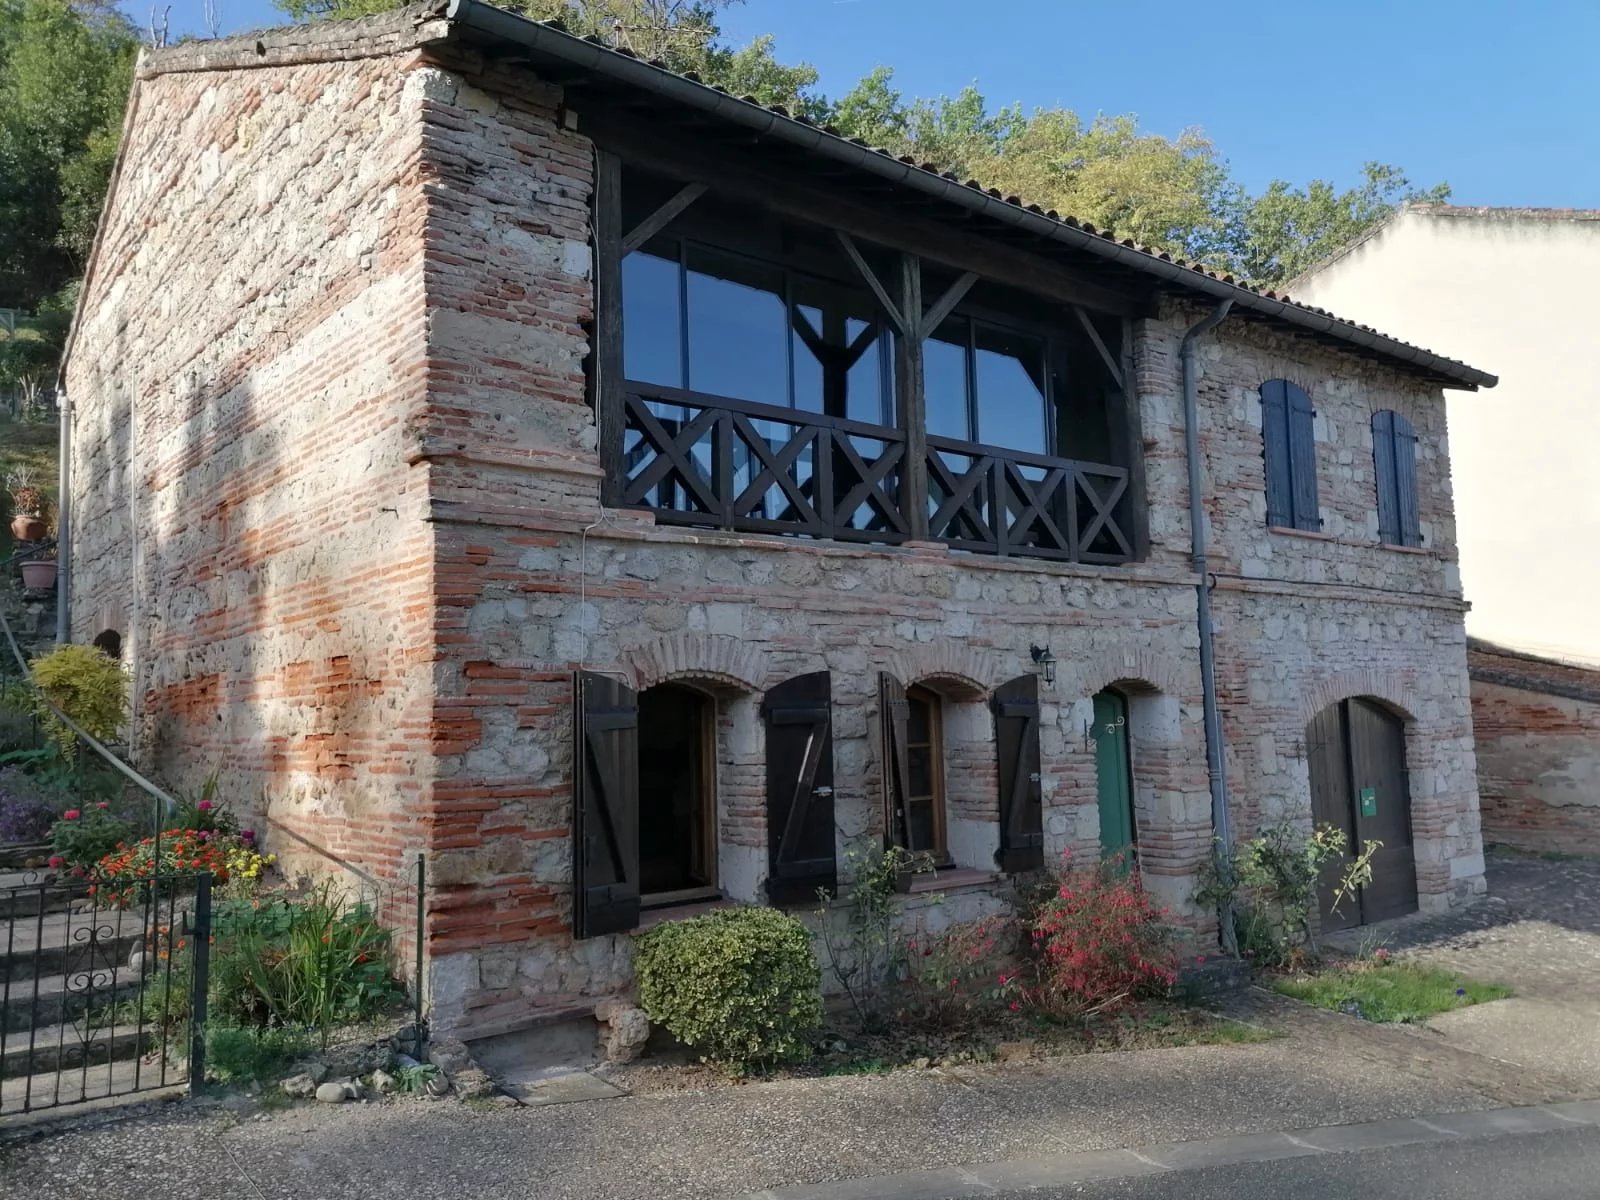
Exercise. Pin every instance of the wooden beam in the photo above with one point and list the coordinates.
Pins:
(953, 295)
(884, 222)
(1105, 355)
(605, 339)
(662, 217)
(911, 403)
(1132, 427)
(872, 281)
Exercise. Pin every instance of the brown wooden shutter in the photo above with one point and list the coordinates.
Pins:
(1303, 458)
(1016, 739)
(1275, 453)
(605, 853)
(1383, 468)
(1405, 481)
(800, 841)
(893, 711)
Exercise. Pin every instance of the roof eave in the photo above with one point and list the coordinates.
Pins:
(545, 39)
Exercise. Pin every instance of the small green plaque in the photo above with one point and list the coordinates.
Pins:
(1369, 802)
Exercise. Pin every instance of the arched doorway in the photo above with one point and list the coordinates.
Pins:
(1113, 762)
(1357, 756)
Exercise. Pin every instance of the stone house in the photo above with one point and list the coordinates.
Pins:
(1504, 281)
(496, 447)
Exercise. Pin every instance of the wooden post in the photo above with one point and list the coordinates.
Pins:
(606, 337)
(1137, 507)
(910, 402)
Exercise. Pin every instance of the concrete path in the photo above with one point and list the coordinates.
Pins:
(1538, 933)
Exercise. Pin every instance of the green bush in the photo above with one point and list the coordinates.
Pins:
(235, 1053)
(90, 687)
(740, 985)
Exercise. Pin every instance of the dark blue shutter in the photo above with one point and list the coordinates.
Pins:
(1016, 738)
(1275, 452)
(1383, 468)
(1405, 481)
(605, 851)
(1302, 459)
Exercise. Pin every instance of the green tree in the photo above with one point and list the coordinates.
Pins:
(1286, 230)
(65, 71)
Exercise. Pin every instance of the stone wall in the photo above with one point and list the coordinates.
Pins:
(537, 581)
(1538, 732)
(246, 377)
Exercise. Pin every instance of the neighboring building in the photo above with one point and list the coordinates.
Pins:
(1505, 284)
(410, 539)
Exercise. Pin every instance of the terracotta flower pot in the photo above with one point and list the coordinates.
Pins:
(26, 527)
(39, 576)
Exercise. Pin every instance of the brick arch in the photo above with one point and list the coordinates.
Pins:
(1392, 688)
(1158, 672)
(708, 658)
(965, 670)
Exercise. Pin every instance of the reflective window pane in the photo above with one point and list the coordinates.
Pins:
(944, 371)
(652, 347)
(871, 386)
(738, 329)
(1011, 390)
(810, 376)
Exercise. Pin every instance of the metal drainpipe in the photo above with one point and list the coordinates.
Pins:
(63, 520)
(1216, 767)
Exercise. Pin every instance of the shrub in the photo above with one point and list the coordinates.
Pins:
(740, 985)
(1100, 944)
(954, 977)
(202, 810)
(83, 837)
(861, 936)
(27, 808)
(236, 1053)
(88, 687)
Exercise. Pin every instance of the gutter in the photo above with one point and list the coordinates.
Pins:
(601, 60)
(1216, 758)
(64, 519)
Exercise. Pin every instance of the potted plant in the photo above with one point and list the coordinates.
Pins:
(39, 574)
(27, 503)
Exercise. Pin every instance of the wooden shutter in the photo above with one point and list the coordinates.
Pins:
(1383, 468)
(800, 853)
(893, 711)
(1303, 459)
(1275, 453)
(1016, 739)
(605, 853)
(1405, 481)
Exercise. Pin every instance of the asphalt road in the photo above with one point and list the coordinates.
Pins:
(1532, 1166)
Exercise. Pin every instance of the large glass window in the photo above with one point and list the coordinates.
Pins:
(987, 384)
(723, 324)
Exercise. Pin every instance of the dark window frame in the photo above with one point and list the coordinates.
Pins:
(939, 820)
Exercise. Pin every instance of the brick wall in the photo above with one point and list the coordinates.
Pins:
(247, 377)
(1538, 733)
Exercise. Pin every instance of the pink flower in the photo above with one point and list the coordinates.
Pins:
(103, 804)
(1016, 1006)
(57, 862)
(71, 814)
(1200, 958)
(204, 806)
(247, 835)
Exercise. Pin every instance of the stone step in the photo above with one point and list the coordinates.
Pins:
(22, 895)
(18, 857)
(62, 1047)
(68, 997)
(125, 1081)
(59, 943)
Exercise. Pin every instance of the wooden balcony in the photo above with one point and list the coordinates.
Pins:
(719, 463)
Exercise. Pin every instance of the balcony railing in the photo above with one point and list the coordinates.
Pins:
(731, 464)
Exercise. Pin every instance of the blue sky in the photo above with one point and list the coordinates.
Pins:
(1501, 99)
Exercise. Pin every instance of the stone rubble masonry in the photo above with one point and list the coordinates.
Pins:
(339, 483)
(1537, 724)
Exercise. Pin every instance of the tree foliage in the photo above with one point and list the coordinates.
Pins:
(65, 70)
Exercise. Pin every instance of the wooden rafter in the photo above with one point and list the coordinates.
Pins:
(1105, 355)
(662, 217)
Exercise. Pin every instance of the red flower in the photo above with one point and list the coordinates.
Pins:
(103, 804)
(71, 814)
(57, 862)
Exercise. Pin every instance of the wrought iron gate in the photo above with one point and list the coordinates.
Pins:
(101, 994)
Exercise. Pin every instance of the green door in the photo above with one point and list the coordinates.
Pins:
(1114, 776)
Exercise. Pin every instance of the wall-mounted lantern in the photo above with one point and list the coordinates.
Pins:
(1046, 662)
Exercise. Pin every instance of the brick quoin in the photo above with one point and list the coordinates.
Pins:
(336, 479)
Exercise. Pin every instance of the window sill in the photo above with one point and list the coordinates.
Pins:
(651, 917)
(952, 880)
(1315, 535)
(1405, 549)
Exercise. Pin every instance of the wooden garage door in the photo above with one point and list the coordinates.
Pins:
(1358, 784)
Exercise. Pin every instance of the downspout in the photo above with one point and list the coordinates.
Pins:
(64, 520)
(1216, 767)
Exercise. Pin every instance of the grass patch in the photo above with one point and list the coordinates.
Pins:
(1388, 992)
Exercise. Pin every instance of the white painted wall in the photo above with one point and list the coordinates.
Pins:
(1511, 291)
